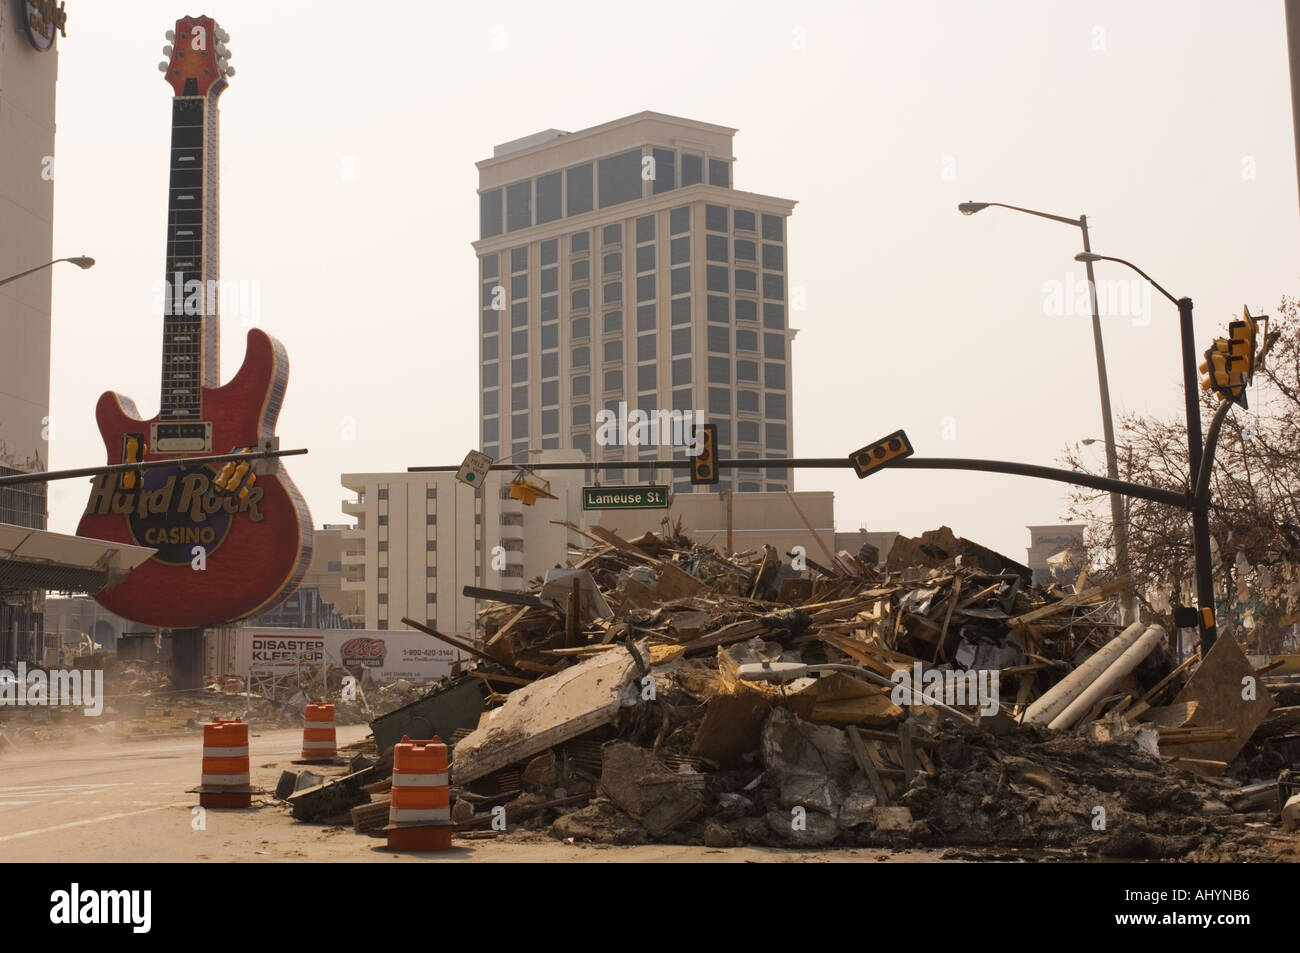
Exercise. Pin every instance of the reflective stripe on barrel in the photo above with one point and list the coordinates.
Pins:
(318, 739)
(419, 812)
(225, 764)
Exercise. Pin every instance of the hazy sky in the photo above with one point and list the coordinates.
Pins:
(348, 143)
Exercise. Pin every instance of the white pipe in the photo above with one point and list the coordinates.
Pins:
(1054, 700)
(1130, 660)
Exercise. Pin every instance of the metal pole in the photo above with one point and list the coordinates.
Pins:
(1293, 51)
(730, 494)
(1200, 508)
(1118, 517)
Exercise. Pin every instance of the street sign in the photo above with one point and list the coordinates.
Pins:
(624, 497)
(475, 468)
(885, 450)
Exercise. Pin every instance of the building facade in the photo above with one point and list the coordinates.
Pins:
(27, 81)
(1063, 546)
(420, 538)
(619, 270)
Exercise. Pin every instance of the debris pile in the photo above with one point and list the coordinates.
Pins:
(659, 690)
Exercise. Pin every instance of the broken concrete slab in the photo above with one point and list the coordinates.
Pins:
(545, 713)
(541, 773)
(806, 829)
(639, 784)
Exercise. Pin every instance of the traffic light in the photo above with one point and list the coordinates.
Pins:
(704, 465)
(132, 452)
(1217, 369)
(236, 476)
(527, 492)
(875, 455)
(1230, 362)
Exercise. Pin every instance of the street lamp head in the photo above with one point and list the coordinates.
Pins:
(1087, 256)
(1089, 441)
(82, 261)
(970, 208)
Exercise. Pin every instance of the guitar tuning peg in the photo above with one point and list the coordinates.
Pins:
(162, 67)
(222, 35)
(170, 35)
(167, 50)
(230, 71)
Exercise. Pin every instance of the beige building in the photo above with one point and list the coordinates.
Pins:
(620, 269)
(1046, 542)
(420, 538)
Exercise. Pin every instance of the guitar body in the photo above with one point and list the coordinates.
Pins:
(253, 558)
(228, 548)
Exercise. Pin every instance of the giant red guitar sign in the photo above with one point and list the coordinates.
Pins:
(222, 556)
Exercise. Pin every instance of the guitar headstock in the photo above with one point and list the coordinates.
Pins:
(198, 57)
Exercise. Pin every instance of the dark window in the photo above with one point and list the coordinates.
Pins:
(519, 206)
(580, 270)
(518, 426)
(612, 264)
(716, 278)
(773, 257)
(612, 293)
(681, 341)
(747, 402)
(773, 286)
(645, 258)
(613, 323)
(551, 251)
(776, 436)
(519, 259)
(746, 250)
(774, 406)
(490, 347)
(679, 220)
(715, 247)
(489, 402)
(681, 371)
(665, 174)
(548, 198)
(645, 229)
(746, 430)
(646, 347)
(619, 178)
(645, 288)
(519, 316)
(747, 371)
(679, 251)
(681, 311)
(715, 218)
(383, 546)
(720, 173)
(519, 369)
(490, 430)
(550, 392)
(383, 495)
(724, 434)
(578, 180)
(550, 280)
(746, 310)
(719, 373)
(680, 280)
(582, 442)
(773, 228)
(490, 375)
(719, 339)
(746, 340)
(743, 220)
(611, 235)
(489, 214)
(519, 397)
(692, 169)
(682, 401)
(580, 300)
(581, 386)
(550, 308)
(774, 345)
(613, 382)
(550, 421)
(580, 328)
(719, 308)
(613, 351)
(746, 280)
(775, 374)
(720, 403)
(491, 265)
(518, 287)
(773, 315)
(645, 318)
(647, 377)
(431, 519)
(579, 242)
(550, 336)
(580, 416)
(491, 296)
(490, 322)
(581, 357)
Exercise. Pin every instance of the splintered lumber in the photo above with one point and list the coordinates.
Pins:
(865, 765)
(455, 643)
(508, 679)
(1069, 602)
(1144, 702)
(370, 817)
(618, 542)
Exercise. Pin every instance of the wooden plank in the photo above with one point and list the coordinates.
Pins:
(1069, 602)
(909, 756)
(619, 543)
(943, 632)
(866, 765)
(449, 640)
(508, 679)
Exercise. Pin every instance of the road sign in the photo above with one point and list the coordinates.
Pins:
(624, 497)
(885, 450)
(475, 468)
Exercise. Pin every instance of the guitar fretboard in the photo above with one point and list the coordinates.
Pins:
(190, 310)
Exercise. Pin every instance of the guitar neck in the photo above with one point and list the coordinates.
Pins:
(191, 320)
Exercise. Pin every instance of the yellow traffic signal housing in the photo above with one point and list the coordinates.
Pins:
(132, 452)
(527, 492)
(1217, 369)
(1230, 363)
(876, 455)
(704, 465)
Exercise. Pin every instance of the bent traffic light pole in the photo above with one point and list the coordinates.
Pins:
(46, 476)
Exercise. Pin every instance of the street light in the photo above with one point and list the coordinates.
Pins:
(1118, 519)
(1200, 510)
(80, 261)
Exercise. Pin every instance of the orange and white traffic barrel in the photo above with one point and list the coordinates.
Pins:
(419, 812)
(318, 740)
(225, 777)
